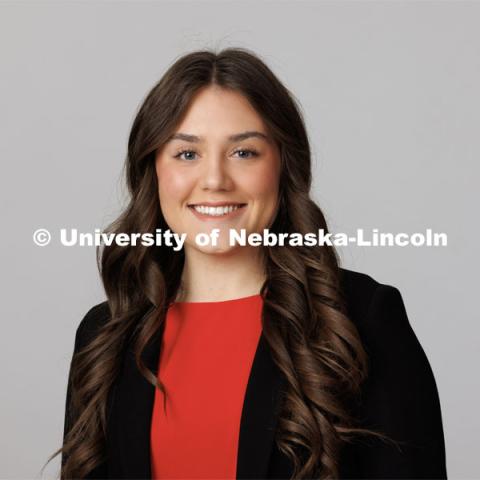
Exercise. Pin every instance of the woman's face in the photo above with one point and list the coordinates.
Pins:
(222, 154)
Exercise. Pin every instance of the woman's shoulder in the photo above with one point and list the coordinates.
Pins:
(360, 288)
(373, 305)
(379, 314)
(91, 321)
(95, 316)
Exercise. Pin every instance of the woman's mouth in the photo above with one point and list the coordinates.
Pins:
(205, 212)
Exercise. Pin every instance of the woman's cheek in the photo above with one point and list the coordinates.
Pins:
(265, 181)
(173, 184)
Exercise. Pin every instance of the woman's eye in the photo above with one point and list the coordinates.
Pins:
(253, 153)
(179, 154)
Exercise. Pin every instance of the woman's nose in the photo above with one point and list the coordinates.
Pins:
(214, 173)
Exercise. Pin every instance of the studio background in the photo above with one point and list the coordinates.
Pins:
(389, 92)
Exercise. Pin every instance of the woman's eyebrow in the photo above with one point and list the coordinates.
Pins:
(232, 138)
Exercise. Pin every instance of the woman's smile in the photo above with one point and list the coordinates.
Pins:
(222, 212)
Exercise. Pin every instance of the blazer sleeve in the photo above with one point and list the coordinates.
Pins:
(400, 397)
(82, 335)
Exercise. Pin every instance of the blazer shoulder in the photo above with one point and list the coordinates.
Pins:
(358, 289)
(95, 317)
(378, 312)
(400, 397)
(366, 297)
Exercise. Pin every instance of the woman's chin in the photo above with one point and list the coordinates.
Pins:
(220, 249)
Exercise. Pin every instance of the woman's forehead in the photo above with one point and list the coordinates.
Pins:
(223, 110)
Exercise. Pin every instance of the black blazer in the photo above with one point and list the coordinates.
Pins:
(400, 399)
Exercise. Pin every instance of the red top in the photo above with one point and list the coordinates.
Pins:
(205, 361)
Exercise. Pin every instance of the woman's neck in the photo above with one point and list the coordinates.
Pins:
(221, 276)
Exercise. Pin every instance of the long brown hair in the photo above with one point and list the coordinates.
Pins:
(304, 318)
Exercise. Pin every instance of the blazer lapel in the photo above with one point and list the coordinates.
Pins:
(259, 414)
(129, 430)
(129, 434)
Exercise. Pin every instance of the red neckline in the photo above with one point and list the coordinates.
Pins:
(219, 301)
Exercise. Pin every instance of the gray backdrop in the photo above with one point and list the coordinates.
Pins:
(389, 91)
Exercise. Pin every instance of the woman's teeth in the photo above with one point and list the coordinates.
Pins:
(215, 211)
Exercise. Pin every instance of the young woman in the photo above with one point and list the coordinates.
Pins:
(230, 361)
